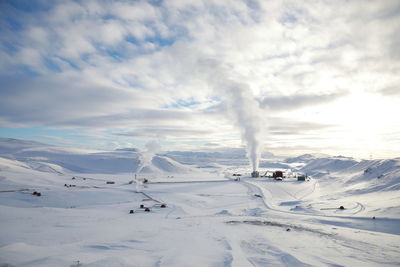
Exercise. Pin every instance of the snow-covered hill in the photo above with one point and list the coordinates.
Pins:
(366, 175)
(305, 158)
(49, 158)
(323, 165)
(372, 176)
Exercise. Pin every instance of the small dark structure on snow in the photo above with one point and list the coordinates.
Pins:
(341, 207)
(277, 174)
(268, 174)
(301, 177)
(131, 211)
(147, 209)
(255, 174)
(110, 182)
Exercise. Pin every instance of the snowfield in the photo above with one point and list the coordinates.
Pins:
(209, 219)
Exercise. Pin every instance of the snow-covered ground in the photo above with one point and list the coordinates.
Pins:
(209, 219)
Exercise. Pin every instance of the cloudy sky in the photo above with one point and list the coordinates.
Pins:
(322, 76)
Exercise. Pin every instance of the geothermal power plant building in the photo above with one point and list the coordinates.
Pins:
(255, 174)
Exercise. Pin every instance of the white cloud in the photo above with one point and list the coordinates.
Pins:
(121, 64)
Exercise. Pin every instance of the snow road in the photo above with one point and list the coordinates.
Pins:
(345, 219)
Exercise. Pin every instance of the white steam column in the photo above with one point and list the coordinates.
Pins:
(152, 146)
(242, 107)
(145, 158)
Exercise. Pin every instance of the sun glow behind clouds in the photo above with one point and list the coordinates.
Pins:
(366, 119)
(359, 123)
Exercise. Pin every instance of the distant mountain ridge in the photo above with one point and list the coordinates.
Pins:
(378, 174)
(50, 158)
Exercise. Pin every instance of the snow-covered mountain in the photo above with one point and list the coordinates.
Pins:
(222, 157)
(305, 158)
(210, 159)
(49, 158)
(10, 146)
(368, 175)
(318, 166)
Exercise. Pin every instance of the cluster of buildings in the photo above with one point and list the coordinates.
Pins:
(279, 175)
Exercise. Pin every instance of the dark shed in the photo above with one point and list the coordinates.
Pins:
(277, 174)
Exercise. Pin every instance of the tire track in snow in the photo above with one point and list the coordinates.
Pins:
(341, 220)
(306, 194)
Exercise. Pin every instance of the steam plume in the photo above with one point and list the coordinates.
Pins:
(152, 146)
(242, 107)
(245, 112)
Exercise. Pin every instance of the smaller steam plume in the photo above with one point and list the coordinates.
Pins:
(152, 146)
